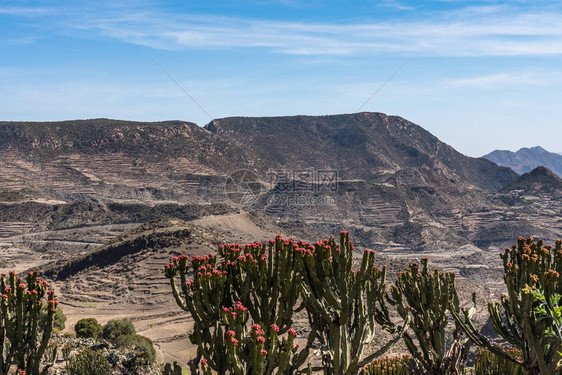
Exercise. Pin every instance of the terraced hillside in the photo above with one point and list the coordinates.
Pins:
(124, 278)
(69, 190)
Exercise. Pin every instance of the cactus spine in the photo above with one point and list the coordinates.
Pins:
(527, 264)
(21, 339)
(343, 302)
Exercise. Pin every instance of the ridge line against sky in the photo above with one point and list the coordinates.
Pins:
(480, 68)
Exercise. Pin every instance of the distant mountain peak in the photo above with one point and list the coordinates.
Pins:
(526, 159)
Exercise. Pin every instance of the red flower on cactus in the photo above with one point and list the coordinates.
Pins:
(230, 333)
(234, 341)
(240, 306)
(233, 314)
(275, 328)
(204, 361)
(260, 339)
(292, 332)
(263, 352)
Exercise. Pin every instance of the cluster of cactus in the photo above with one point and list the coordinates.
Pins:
(202, 297)
(259, 276)
(388, 366)
(427, 297)
(526, 265)
(269, 279)
(24, 335)
(344, 305)
(488, 363)
(257, 350)
(260, 285)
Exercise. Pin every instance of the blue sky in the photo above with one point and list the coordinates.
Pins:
(483, 75)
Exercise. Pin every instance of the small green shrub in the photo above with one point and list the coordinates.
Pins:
(142, 347)
(88, 362)
(59, 319)
(88, 328)
(116, 328)
(388, 366)
(488, 363)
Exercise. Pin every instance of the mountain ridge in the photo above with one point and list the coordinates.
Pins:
(526, 159)
(357, 145)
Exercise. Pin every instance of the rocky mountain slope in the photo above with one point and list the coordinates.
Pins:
(526, 159)
(389, 181)
(75, 197)
(357, 146)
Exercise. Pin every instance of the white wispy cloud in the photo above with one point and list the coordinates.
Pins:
(493, 31)
(506, 79)
(485, 30)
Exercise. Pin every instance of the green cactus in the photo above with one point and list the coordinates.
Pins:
(488, 363)
(51, 354)
(427, 297)
(258, 350)
(388, 366)
(261, 270)
(172, 369)
(88, 362)
(23, 339)
(527, 264)
(203, 297)
(344, 304)
(260, 276)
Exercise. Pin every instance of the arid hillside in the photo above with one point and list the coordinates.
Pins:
(75, 198)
